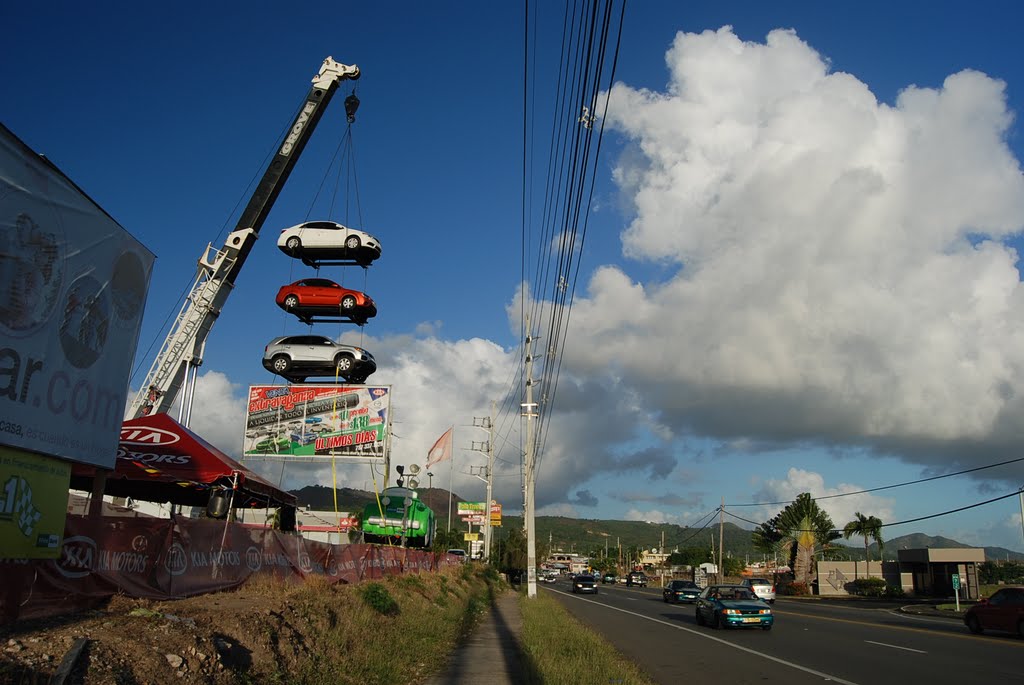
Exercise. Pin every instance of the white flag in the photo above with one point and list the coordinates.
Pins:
(442, 449)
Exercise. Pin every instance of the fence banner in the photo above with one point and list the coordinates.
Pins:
(176, 558)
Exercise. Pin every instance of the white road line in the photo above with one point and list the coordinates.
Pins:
(905, 649)
(790, 664)
(910, 617)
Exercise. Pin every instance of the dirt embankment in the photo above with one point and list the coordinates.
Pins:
(398, 630)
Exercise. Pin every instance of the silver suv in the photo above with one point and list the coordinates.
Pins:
(295, 357)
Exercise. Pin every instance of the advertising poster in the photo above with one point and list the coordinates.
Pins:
(33, 504)
(317, 421)
(73, 285)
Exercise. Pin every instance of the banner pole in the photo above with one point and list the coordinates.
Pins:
(451, 470)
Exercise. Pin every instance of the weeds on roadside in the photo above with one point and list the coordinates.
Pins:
(560, 648)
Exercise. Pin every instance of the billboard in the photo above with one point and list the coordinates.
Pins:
(317, 421)
(73, 284)
(33, 499)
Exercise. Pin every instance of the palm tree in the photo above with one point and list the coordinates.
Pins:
(870, 527)
(803, 529)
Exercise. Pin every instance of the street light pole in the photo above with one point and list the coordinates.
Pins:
(431, 481)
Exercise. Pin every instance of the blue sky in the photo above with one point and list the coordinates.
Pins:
(742, 331)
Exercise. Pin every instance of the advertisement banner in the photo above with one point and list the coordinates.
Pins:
(165, 559)
(495, 514)
(33, 504)
(471, 508)
(317, 421)
(73, 285)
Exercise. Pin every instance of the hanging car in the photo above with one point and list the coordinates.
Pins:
(326, 241)
(322, 297)
(296, 357)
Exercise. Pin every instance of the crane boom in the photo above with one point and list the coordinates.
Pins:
(182, 351)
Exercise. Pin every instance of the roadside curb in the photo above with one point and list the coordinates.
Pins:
(925, 610)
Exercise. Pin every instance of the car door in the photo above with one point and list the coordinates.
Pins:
(990, 614)
(322, 292)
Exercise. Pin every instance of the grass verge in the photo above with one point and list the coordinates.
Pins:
(399, 629)
(564, 651)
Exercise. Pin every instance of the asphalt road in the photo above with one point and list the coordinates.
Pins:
(812, 641)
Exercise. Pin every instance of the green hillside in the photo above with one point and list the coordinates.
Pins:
(594, 536)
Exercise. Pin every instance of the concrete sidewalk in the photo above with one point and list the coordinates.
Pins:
(492, 653)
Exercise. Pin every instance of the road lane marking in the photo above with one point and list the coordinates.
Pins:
(777, 660)
(911, 629)
(906, 649)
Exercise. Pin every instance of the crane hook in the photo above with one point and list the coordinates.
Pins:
(351, 105)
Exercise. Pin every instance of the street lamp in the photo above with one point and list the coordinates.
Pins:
(431, 481)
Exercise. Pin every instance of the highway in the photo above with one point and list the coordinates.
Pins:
(812, 641)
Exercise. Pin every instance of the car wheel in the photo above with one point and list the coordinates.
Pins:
(352, 242)
(973, 625)
(293, 244)
(281, 364)
(717, 621)
(699, 617)
(665, 599)
(291, 302)
(348, 302)
(767, 627)
(344, 363)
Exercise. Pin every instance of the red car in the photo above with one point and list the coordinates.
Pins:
(322, 297)
(1003, 611)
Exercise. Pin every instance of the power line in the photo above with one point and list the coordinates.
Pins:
(886, 487)
(1015, 493)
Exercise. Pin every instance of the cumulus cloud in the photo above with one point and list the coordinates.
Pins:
(840, 267)
(842, 510)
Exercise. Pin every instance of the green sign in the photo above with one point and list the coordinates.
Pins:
(33, 504)
(956, 581)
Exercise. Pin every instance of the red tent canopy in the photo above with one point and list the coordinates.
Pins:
(159, 460)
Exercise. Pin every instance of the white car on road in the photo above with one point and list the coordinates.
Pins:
(762, 587)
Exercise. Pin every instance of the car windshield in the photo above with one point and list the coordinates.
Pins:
(734, 593)
(686, 585)
(759, 581)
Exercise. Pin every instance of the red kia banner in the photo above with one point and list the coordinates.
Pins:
(171, 559)
(159, 460)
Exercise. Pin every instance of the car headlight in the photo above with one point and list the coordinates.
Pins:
(731, 612)
(765, 611)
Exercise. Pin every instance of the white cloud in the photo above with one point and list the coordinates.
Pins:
(840, 509)
(652, 516)
(840, 275)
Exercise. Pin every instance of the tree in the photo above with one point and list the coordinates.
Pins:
(870, 527)
(802, 530)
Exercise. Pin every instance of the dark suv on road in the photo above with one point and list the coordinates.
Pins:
(636, 578)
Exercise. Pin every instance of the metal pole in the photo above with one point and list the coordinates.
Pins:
(531, 532)
(1021, 495)
(490, 483)
(721, 533)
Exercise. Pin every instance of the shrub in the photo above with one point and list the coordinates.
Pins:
(867, 587)
(377, 596)
(894, 592)
(796, 589)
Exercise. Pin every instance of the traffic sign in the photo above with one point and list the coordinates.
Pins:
(956, 581)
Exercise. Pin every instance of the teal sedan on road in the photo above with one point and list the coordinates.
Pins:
(733, 606)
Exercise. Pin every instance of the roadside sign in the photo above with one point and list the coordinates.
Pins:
(470, 536)
(956, 581)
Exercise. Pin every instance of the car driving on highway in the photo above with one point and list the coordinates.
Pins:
(584, 582)
(680, 591)
(762, 587)
(1003, 611)
(733, 606)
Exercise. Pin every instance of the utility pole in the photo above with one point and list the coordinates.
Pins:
(529, 411)
(721, 534)
(487, 423)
